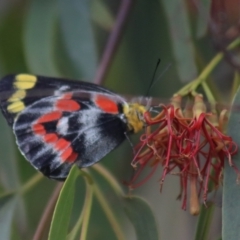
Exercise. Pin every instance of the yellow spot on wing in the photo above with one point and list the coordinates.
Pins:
(25, 81)
(16, 107)
(18, 95)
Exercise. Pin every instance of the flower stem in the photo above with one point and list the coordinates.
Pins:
(31, 183)
(83, 219)
(112, 220)
(87, 209)
(72, 235)
(112, 44)
(209, 95)
(193, 85)
(109, 177)
(45, 220)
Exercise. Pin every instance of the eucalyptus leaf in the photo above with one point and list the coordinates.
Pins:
(63, 209)
(231, 190)
(8, 158)
(102, 15)
(78, 38)
(142, 218)
(39, 41)
(203, 18)
(182, 43)
(8, 205)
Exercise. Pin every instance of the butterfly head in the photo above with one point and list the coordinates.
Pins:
(134, 113)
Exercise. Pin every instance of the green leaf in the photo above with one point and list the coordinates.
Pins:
(8, 204)
(8, 169)
(102, 15)
(204, 222)
(183, 47)
(231, 190)
(142, 218)
(8, 158)
(203, 18)
(39, 38)
(63, 209)
(78, 38)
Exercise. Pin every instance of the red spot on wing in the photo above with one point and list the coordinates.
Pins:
(72, 157)
(67, 151)
(66, 154)
(106, 104)
(59, 144)
(62, 144)
(68, 105)
(50, 138)
(38, 129)
(49, 117)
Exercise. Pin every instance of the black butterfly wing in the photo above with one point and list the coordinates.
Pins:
(52, 139)
(19, 91)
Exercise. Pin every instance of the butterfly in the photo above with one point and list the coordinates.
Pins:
(59, 122)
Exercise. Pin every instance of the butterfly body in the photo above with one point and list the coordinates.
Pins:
(58, 122)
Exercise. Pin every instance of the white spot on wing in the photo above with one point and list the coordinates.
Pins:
(61, 90)
(62, 126)
(89, 117)
(92, 136)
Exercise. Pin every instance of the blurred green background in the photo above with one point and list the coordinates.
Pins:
(67, 39)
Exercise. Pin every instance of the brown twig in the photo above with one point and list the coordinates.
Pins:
(113, 40)
(46, 217)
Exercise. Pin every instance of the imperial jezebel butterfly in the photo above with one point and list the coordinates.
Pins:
(59, 122)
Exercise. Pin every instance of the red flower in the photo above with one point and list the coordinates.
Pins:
(188, 143)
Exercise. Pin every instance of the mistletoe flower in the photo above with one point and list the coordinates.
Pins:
(189, 143)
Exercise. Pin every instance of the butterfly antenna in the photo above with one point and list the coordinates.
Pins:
(162, 73)
(154, 74)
